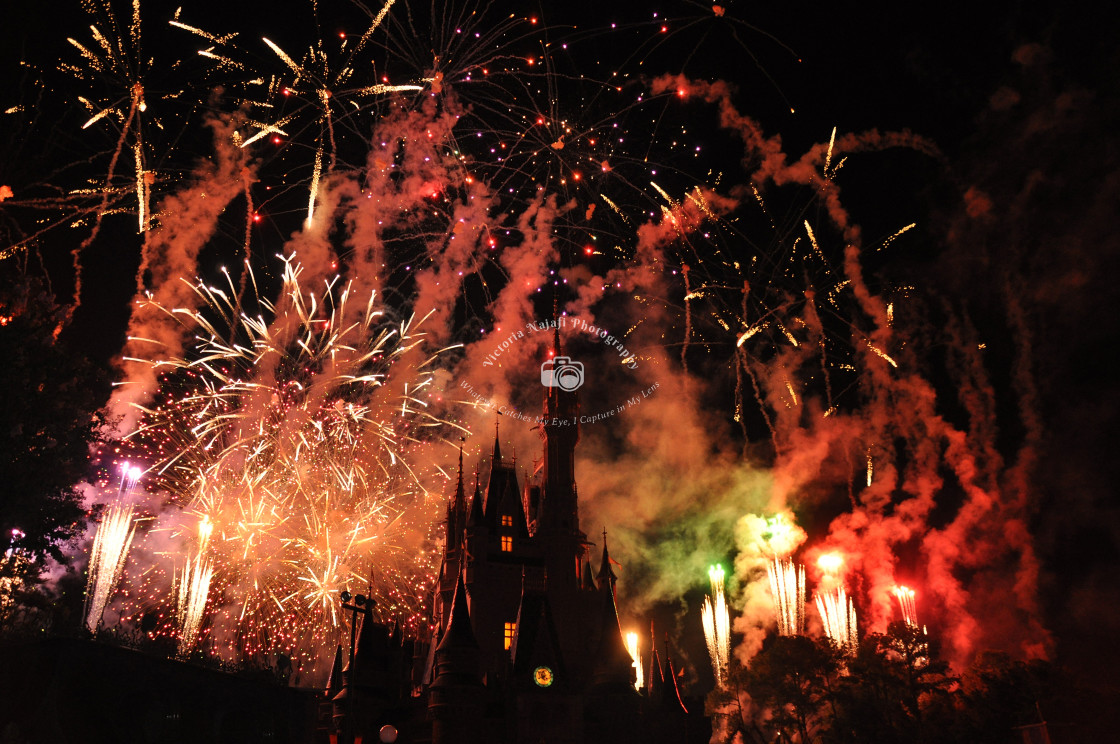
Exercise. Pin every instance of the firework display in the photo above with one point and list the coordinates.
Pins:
(394, 201)
(290, 440)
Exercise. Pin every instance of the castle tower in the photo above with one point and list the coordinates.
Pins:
(559, 505)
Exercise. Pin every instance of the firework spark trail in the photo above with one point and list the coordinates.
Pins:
(636, 655)
(319, 87)
(291, 441)
(170, 254)
(838, 614)
(787, 586)
(717, 626)
(107, 559)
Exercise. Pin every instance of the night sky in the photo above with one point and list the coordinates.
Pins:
(1015, 197)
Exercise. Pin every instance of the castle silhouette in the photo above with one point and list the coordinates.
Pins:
(527, 647)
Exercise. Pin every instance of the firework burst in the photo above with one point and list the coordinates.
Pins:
(192, 589)
(291, 442)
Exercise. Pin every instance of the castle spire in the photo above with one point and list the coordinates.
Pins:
(459, 487)
(607, 577)
(497, 446)
(459, 633)
(334, 681)
(457, 507)
(613, 665)
(555, 325)
(474, 518)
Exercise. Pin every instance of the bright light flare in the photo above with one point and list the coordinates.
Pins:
(830, 563)
(635, 654)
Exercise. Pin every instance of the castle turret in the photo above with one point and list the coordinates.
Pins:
(456, 695)
(613, 704)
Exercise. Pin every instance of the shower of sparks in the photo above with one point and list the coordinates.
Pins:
(905, 597)
(787, 587)
(838, 614)
(717, 626)
(292, 441)
(106, 561)
(635, 654)
(193, 587)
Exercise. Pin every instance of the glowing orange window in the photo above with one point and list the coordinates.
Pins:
(507, 520)
(511, 628)
(507, 543)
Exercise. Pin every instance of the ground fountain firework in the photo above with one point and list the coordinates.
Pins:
(110, 550)
(906, 605)
(717, 626)
(838, 614)
(787, 587)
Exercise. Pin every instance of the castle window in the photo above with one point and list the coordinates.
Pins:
(507, 520)
(511, 628)
(507, 543)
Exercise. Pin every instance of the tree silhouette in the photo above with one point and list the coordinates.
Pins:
(49, 398)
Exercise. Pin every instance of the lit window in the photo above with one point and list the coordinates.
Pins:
(511, 628)
(507, 520)
(507, 543)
